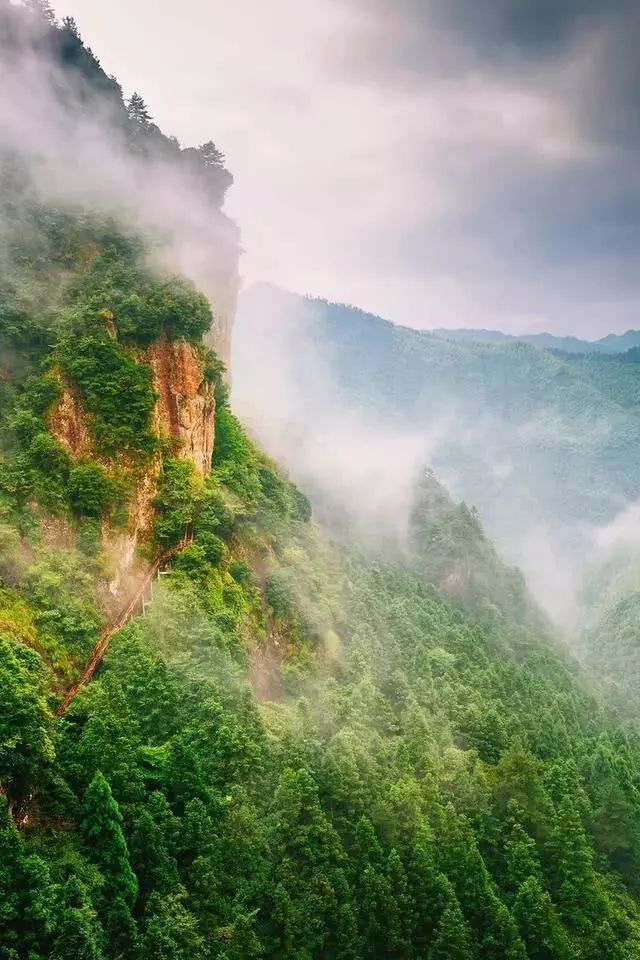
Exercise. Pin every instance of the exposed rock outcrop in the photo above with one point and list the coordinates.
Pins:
(185, 408)
(69, 424)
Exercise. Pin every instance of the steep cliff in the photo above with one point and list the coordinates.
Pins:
(185, 408)
(183, 414)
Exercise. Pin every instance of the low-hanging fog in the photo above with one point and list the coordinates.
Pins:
(73, 147)
(358, 460)
(359, 453)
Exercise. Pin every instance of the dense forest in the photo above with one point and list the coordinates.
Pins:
(543, 442)
(567, 424)
(611, 343)
(298, 748)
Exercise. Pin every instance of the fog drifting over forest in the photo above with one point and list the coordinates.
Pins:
(439, 163)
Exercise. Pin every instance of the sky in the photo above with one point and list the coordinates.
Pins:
(438, 162)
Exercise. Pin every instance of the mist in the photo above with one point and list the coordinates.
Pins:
(359, 451)
(73, 145)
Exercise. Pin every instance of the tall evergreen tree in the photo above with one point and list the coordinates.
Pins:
(452, 939)
(11, 878)
(101, 828)
(138, 112)
(171, 931)
(78, 935)
(210, 156)
(539, 924)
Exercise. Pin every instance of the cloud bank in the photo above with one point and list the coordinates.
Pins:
(439, 162)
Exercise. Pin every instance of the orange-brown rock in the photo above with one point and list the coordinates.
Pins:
(185, 408)
(69, 424)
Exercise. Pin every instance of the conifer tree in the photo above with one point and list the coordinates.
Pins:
(399, 917)
(453, 939)
(101, 828)
(171, 930)
(71, 27)
(431, 891)
(539, 924)
(154, 867)
(78, 933)
(519, 854)
(243, 943)
(210, 156)
(575, 887)
(137, 111)
(11, 873)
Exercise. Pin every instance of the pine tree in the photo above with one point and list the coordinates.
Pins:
(243, 942)
(171, 931)
(210, 156)
(121, 929)
(137, 111)
(575, 884)
(26, 747)
(78, 934)
(500, 939)
(373, 905)
(154, 867)
(11, 872)
(310, 859)
(519, 854)
(539, 924)
(71, 27)
(431, 891)
(42, 8)
(101, 828)
(399, 918)
(453, 939)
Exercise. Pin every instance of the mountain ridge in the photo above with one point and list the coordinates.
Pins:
(303, 749)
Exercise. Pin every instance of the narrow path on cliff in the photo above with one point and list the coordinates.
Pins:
(121, 621)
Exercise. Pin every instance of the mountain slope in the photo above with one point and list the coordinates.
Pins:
(611, 343)
(543, 443)
(300, 749)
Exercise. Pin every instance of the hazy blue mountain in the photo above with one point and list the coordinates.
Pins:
(546, 444)
(612, 343)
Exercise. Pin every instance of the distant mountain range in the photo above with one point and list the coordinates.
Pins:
(612, 343)
(545, 442)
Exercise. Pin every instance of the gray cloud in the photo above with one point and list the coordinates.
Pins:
(540, 158)
(440, 162)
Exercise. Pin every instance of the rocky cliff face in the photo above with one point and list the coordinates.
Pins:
(185, 410)
(69, 425)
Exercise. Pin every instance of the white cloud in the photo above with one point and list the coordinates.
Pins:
(431, 203)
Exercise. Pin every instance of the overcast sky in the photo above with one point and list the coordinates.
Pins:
(439, 162)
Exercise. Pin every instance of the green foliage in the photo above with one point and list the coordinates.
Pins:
(92, 492)
(299, 753)
(105, 373)
(175, 500)
(101, 829)
(26, 735)
(78, 936)
(142, 307)
(250, 475)
(452, 940)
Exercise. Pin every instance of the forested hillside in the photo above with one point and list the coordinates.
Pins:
(544, 443)
(567, 425)
(295, 747)
(612, 343)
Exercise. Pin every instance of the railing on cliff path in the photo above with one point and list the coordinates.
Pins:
(137, 601)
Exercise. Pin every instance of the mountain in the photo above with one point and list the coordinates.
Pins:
(228, 731)
(612, 343)
(543, 443)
